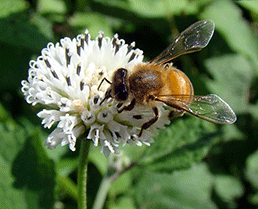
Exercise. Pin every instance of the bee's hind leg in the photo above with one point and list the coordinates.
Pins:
(175, 113)
(150, 122)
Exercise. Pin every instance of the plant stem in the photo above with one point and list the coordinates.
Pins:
(102, 193)
(105, 184)
(82, 174)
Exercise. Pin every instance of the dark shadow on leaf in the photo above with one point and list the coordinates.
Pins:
(34, 174)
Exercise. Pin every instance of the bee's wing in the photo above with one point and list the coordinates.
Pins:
(193, 39)
(210, 107)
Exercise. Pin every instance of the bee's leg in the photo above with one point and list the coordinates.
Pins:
(107, 95)
(104, 79)
(175, 113)
(108, 92)
(150, 122)
(129, 107)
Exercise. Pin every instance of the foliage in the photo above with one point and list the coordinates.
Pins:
(168, 174)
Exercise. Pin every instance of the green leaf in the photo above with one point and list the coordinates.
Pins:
(64, 165)
(22, 30)
(187, 189)
(123, 203)
(10, 7)
(229, 188)
(181, 145)
(53, 10)
(94, 22)
(27, 175)
(115, 3)
(120, 185)
(39, 177)
(250, 5)
(55, 154)
(66, 185)
(44, 26)
(251, 173)
(253, 198)
(232, 75)
(232, 132)
(254, 110)
(98, 159)
(51, 7)
(231, 25)
(6, 119)
(152, 8)
(20, 37)
(145, 10)
(157, 9)
(12, 71)
(252, 169)
(19, 32)
(81, 4)
(67, 165)
(11, 139)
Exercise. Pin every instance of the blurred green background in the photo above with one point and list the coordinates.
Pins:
(192, 164)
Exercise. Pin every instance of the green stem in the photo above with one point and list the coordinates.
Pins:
(82, 174)
(102, 193)
(105, 184)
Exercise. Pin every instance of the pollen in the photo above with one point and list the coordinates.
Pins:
(79, 105)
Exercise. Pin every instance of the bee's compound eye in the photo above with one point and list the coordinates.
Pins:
(121, 72)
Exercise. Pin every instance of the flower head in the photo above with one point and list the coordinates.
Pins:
(65, 80)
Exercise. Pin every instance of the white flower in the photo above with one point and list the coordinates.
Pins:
(65, 80)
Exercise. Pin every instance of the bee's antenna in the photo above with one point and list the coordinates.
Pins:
(104, 79)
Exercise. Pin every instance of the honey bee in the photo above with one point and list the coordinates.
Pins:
(158, 81)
